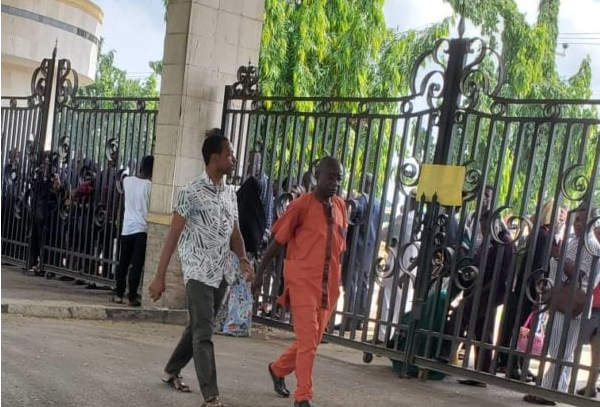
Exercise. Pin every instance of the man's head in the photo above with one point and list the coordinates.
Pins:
(329, 177)
(218, 154)
(254, 163)
(368, 183)
(580, 218)
(146, 166)
(488, 194)
(548, 211)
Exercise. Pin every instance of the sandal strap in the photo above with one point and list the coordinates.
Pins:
(213, 402)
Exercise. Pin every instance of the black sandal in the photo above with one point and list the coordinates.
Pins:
(530, 398)
(176, 382)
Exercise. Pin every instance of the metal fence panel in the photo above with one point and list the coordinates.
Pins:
(422, 281)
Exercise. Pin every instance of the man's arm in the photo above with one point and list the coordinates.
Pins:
(272, 251)
(236, 243)
(158, 286)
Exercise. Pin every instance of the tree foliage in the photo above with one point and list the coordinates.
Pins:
(528, 52)
(337, 48)
(111, 81)
(342, 48)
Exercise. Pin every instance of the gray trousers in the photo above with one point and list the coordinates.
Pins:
(196, 340)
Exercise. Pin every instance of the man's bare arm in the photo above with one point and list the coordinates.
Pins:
(157, 287)
(236, 243)
(271, 252)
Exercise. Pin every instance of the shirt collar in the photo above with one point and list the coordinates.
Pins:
(205, 180)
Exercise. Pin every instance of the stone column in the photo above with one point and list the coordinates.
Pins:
(206, 41)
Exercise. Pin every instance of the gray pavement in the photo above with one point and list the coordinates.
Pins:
(62, 361)
(25, 294)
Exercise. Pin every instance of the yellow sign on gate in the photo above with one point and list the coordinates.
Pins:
(447, 181)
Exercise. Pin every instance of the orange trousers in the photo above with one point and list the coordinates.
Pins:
(309, 325)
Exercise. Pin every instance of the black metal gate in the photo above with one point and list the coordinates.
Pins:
(422, 280)
(63, 166)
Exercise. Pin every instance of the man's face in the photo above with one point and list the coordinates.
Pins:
(226, 160)
(329, 179)
(254, 164)
(562, 215)
(485, 227)
(487, 198)
(597, 233)
(579, 225)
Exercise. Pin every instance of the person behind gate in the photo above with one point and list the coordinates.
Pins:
(313, 228)
(206, 217)
(135, 232)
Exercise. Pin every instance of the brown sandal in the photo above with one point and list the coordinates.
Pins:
(213, 402)
(176, 382)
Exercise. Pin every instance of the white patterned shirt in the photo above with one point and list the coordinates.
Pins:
(210, 211)
(586, 260)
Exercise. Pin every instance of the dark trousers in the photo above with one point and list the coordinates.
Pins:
(358, 293)
(196, 340)
(36, 242)
(511, 317)
(133, 252)
(480, 335)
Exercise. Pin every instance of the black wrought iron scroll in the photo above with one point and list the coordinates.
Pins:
(521, 158)
(24, 123)
(95, 142)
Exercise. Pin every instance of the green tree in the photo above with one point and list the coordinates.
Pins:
(111, 81)
(133, 129)
(337, 48)
(528, 52)
(156, 66)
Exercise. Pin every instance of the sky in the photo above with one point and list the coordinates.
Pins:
(135, 30)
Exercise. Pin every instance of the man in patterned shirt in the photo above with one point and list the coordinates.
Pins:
(205, 230)
(314, 229)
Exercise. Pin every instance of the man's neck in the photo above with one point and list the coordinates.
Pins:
(215, 176)
(321, 198)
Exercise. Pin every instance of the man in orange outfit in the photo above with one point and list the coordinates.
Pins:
(314, 230)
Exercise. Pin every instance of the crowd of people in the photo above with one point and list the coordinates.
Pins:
(79, 215)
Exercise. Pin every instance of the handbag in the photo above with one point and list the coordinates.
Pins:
(561, 297)
(538, 338)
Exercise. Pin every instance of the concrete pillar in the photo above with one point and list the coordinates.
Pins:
(206, 41)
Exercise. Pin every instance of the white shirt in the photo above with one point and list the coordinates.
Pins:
(586, 259)
(137, 197)
(210, 211)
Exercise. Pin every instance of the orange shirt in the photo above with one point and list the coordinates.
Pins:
(312, 265)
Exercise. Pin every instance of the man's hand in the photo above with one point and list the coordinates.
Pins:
(157, 288)
(570, 268)
(56, 182)
(247, 269)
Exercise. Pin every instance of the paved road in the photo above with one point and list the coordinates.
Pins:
(64, 363)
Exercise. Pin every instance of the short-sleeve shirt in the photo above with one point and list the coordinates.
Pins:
(210, 211)
(585, 261)
(315, 242)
